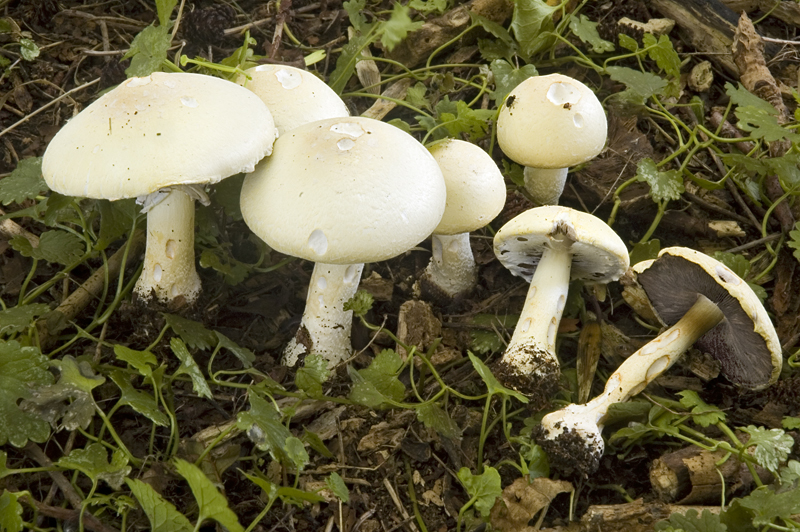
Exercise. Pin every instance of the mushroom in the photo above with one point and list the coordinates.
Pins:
(547, 246)
(547, 124)
(294, 96)
(705, 304)
(341, 192)
(476, 193)
(155, 138)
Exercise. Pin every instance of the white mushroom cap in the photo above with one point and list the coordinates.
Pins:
(156, 131)
(476, 191)
(598, 254)
(345, 191)
(551, 121)
(294, 96)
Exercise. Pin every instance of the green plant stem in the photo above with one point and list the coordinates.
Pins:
(24, 287)
(662, 206)
(484, 432)
(412, 495)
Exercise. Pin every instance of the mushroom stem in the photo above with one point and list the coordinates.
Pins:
(529, 362)
(452, 269)
(545, 185)
(325, 326)
(573, 433)
(169, 270)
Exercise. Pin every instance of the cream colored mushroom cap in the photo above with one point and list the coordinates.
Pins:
(551, 121)
(598, 254)
(344, 191)
(293, 96)
(160, 130)
(476, 191)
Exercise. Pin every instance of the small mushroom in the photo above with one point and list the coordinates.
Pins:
(548, 246)
(476, 193)
(341, 192)
(547, 124)
(294, 96)
(705, 304)
(156, 138)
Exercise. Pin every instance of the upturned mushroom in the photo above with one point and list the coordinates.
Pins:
(294, 96)
(704, 304)
(547, 124)
(476, 193)
(547, 246)
(341, 192)
(159, 139)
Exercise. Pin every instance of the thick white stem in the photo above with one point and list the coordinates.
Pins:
(545, 185)
(452, 269)
(169, 270)
(325, 326)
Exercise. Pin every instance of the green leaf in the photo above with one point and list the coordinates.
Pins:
(93, 462)
(161, 513)
(416, 96)
(246, 356)
(397, 27)
(457, 118)
(495, 29)
(21, 368)
(164, 9)
(54, 246)
(336, 484)
(148, 51)
(25, 182)
(316, 443)
(488, 341)
(507, 77)
(378, 383)
(772, 446)
(586, 31)
(642, 85)
(484, 488)
(645, 251)
(492, 384)
(662, 52)
(296, 452)
(11, 511)
(190, 368)
(756, 116)
(60, 209)
(703, 413)
(628, 42)
(360, 303)
(18, 319)
(211, 503)
(140, 401)
(536, 462)
(140, 360)
(310, 377)
(263, 426)
(531, 22)
(288, 495)
(436, 418)
(355, 12)
(116, 219)
(791, 423)
(28, 49)
(221, 261)
(664, 186)
(193, 333)
(794, 240)
(346, 62)
(692, 522)
(427, 7)
(767, 506)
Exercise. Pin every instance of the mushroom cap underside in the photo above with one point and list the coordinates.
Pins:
(745, 342)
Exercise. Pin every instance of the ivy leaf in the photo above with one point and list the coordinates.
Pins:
(531, 22)
(193, 333)
(664, 186)
(692, 522)
(93, 462)
(772, 446)
(54, 246)
(18, 319)
(703, 413)
(310, 377)
(492, 384)
(242, 353)
(662, 52)
(20, 369)
(642, 85)
(397, 27)
(161, 513)
(263, 426)
(11, 511)
(378, 383)
(586, 31)
(336, 484)
(211, 503)
(436, 418)
(190, 368)
(767, 506)
(484, 488)
(140, 360)
(507, 77)
(25, 182)
(140, 401)
(148, 51)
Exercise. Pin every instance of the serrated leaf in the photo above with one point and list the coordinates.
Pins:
(628, 42)
(794, 240)
(140, 401)
(641, 84)
(148, 51)
(11, 511)
(507, 77)
(54, 246)
(397, 27)
(211, 503)
(193, 333)
(488, 341)
(355, 12)
(360, 303)
(310, 377)
(242, 353)
(536, 462)
(18, 319)
(664, 186)
(416, 96)
(93, 462)
(21, 368)
(426, 7)
(703, 413)
(348, 57)
(661, 51)
(790, 423)
(786, 169)
(140, 360)
(161, 513)
(767, 506)
(25, 182)
(336, 484)
(60, 209)
(262, 423)
(586, 31)
(220, 260)
(692, 522)
(116, 219)
(189, 367)
(772, 446)
(485, 488)
(790, 473)
(164, 9)
(378, 384)
(492, 384)
(757, 116)
(531, 22)
(434, 417)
